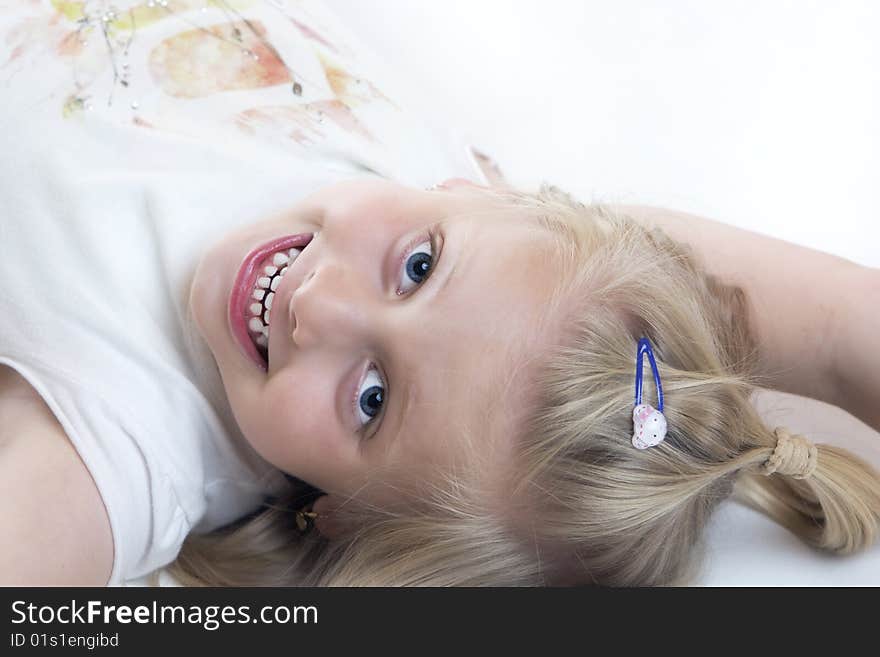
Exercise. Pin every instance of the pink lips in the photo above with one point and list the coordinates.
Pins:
(240, 297)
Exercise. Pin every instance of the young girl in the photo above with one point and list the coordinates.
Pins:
(278, 354)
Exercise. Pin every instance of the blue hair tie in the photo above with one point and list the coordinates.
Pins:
(649, 424)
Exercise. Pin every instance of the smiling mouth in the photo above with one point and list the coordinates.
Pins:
(254, 291)
(259, 310)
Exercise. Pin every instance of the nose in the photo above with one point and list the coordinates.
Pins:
(330, 306)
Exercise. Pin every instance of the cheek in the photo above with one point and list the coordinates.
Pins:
(299, 422)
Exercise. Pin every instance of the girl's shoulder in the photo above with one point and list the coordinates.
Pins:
(52, 502)
(22, 407)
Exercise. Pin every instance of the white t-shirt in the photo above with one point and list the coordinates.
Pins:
(128, 147)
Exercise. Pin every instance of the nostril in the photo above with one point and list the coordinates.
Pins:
(292, 315)
(293, 300)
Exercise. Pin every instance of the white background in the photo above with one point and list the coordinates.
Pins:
(763, 115)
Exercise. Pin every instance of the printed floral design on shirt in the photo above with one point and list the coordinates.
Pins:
(153, 58)
(206, 61)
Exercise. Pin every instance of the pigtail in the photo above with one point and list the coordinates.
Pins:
(836, 507)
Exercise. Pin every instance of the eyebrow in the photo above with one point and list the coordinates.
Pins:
(436, 295)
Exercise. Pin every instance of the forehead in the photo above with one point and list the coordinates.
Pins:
(483, 338)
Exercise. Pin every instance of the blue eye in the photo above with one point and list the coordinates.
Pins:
(417, 265)
(369, 402)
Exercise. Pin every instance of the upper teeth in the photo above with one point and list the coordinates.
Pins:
(264, 291)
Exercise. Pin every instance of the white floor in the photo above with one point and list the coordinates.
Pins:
(764, 114)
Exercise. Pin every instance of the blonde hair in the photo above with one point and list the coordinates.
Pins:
(583, 505)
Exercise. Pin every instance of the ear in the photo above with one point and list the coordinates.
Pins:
(329, 522)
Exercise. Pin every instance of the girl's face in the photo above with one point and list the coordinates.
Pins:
(409, 314)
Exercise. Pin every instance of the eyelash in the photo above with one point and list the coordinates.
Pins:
(431, 237)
